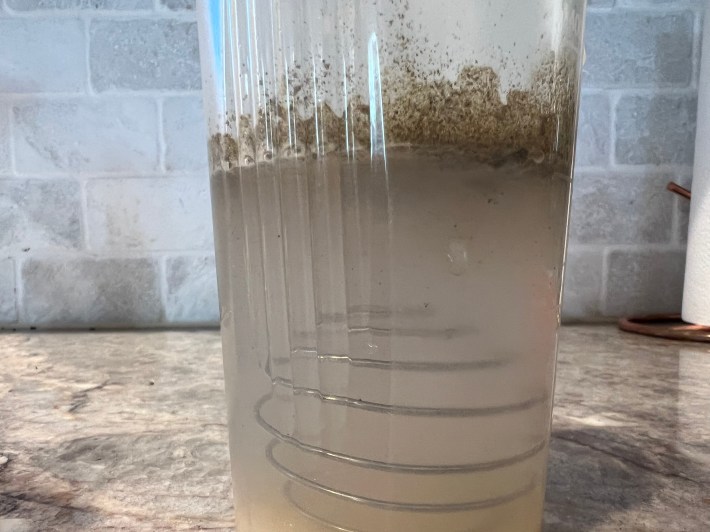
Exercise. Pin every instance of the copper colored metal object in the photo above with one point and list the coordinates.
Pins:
(677, 189)
(669, 326)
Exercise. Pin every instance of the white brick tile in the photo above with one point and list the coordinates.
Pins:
(4, 139)
(621, 209)
(185, 134)
(636, 48)
(42, 55)
(594, 132)
(656, 129)
(149, 214)
(646, 281)
(191, 291)
(81, 291)
(82, 136)
(8, 292)
(39, 215)
(583, 284)
(144, 55)
(176, 5)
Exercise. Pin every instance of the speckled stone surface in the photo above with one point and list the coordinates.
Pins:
(126, 431)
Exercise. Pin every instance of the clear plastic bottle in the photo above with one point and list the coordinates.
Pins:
(390, 185)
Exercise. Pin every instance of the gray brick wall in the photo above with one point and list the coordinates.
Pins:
(102, 145)
(636, 133)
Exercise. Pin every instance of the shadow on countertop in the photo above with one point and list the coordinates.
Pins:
(607, 480)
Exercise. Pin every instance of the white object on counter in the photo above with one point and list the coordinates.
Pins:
(696, 294)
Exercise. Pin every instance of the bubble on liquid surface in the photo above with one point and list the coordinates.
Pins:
(458, 257)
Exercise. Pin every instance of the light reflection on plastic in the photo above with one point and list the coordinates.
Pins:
(377, 124)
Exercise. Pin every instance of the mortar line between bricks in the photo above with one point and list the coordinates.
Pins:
(19, 290)
(87, 55)
(155, 93)
(580, 246)
(651, 248)
(663, 9)
(647, 91)
(162, 144)
(593, 91)
(11, 139)
(188, 253)
(120, 254)
(675, 221)
(84, 204)
(163, 286)
(100, 95)
(603, 295)
(106, 14)
(97, 176)
(697, 37)
(584, 170)
(675, 224)
(58, 13)
(614, 99)
(648, 168)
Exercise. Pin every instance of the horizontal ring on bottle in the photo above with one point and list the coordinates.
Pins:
(410, 410)
(394, 364)
(406, 507)
(388, 466)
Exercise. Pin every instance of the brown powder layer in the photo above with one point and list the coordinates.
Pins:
(467, 115)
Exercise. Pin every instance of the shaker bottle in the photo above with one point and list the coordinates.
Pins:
(390, 183)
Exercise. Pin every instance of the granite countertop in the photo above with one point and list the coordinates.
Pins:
(126, 430)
